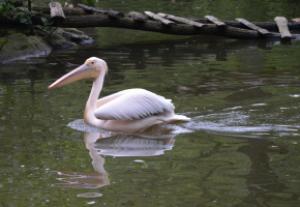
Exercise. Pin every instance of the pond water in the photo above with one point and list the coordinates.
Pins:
(240, 149)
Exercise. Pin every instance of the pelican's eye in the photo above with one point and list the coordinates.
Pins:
(92, 62)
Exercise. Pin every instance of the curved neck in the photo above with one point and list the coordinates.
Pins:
(95, 92)
(91, 103)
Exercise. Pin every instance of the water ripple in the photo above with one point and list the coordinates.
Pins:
(228, 123)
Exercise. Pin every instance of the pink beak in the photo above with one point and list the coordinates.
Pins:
(81, 72)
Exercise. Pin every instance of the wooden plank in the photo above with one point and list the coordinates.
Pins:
(215, 20)
(253, 26)
(283, 28)
(181, 20)
(56, 10)
(158, 18)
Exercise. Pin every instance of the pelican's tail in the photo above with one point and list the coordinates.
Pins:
(177, 119)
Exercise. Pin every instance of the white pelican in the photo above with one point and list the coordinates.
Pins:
(129, 110)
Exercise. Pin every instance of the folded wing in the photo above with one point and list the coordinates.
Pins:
(134, 104)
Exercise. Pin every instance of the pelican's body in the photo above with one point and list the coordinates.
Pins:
(129, 110)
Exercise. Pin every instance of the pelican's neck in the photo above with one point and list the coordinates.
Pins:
(95, 92)
(91, 103)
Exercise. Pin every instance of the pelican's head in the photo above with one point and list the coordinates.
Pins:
(90, 69)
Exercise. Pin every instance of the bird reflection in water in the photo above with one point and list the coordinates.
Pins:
(83, 180)
(100, 144)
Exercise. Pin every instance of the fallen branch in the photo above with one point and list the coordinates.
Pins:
(87, 16)
(271, 26)
(155, 26)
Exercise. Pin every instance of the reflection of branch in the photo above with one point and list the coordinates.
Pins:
(171, 52)
(167, 53)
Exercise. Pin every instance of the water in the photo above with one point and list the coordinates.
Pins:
(240, 149)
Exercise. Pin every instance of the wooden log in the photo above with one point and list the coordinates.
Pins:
(250, 25)
(215, 20)
(103, 20)
(282, 25)
(156, 26)
(294, 26)
(181, 20)
(111, 13)
(56, 11)
(137, 16)
(158, 18)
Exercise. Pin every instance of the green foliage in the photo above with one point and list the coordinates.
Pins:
(5, 7)
(17, 14)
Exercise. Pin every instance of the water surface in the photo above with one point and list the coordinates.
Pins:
(240, 149)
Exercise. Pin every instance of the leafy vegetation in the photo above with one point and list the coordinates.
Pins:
(16, 14)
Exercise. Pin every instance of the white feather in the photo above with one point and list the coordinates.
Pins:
(133, 104)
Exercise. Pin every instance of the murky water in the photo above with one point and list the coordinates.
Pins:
(240, 149)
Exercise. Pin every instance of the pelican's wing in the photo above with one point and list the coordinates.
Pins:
(133, 104)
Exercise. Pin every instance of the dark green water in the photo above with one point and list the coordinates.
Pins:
(240, 149)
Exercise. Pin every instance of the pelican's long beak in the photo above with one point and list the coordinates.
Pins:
(81, 72)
